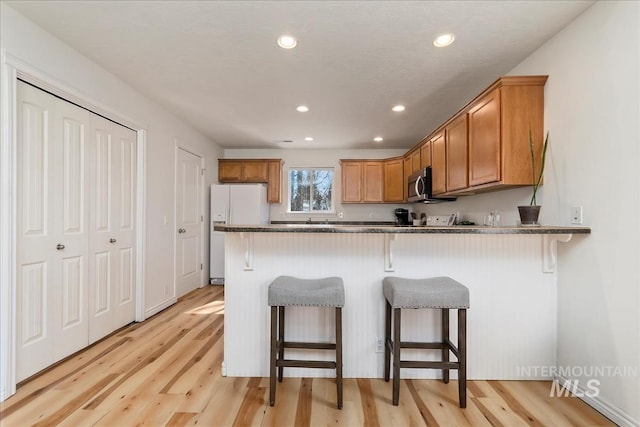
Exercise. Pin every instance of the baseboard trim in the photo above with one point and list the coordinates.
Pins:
(158, 308)
(601, 405)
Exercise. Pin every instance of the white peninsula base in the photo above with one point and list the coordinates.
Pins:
(512, 321)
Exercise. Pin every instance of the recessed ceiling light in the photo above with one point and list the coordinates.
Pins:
(286, 41)
(378, 139)
(302, 108)
(398, 108)
(308, 138)
(444, 40)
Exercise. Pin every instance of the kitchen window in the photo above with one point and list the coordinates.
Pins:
(311, 190)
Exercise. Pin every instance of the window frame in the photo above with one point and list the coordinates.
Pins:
(311, 169)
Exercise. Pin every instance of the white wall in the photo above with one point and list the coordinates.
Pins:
(323, 158)
(592, 114)
(28, 42)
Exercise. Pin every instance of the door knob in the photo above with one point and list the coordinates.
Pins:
(59, 246)
(181, 230)
(112, 240)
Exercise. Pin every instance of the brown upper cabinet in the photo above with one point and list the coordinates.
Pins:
(372, 181)
(425, 154)
(253, 171)
(351, 181)
(499, 123)
(274, 187)
(456, 153)
(438, 163)
(485, 146)
(394, 180)
(362, 181)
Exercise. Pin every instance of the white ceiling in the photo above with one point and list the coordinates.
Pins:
(216, 63)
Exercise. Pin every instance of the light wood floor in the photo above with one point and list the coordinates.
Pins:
(166, 372)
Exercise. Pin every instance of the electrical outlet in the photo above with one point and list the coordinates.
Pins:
(340, 214)
(576, 215)
(380, 345)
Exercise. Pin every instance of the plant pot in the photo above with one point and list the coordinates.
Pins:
(529, 214)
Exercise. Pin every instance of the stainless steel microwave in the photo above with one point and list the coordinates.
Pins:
(420, 188)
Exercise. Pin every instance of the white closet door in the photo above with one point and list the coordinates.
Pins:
(52, 242)
(76, 229)
(112, 256)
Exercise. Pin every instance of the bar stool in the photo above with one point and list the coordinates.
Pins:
(291, 291)
(437, 292)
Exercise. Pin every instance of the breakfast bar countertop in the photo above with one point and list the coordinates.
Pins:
(317, 227)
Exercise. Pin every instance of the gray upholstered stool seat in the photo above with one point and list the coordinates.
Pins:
(326, 292)
(291, 291)
(442, 293)
(434, 292)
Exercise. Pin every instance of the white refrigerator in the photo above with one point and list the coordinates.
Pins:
(235, 204)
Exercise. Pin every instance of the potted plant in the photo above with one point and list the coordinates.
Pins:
(529, 214)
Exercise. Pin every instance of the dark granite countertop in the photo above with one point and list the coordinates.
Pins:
(391, 229)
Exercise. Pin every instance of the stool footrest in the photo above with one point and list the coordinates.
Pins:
(426, 345)
(286, 363)
(307, 345)
(429, 364)
(423, 345)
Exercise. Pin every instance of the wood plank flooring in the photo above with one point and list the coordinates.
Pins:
(166, 372)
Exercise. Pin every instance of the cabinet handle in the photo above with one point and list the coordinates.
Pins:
(181, 230)
(59, 246)
(112, 240)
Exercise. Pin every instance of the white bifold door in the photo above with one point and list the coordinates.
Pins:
(75, 229)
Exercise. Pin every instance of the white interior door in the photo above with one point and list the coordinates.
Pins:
(52, 243)
(188, 221)
(112, 255)
(76, 229)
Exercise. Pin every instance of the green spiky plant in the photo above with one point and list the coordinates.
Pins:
(538, 180)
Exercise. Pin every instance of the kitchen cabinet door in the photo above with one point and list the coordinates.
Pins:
(255, 171)
(229, 171)
(484, 140)
(439, 163)
(351, 181)
(407, 172)
(274, 178)
(425, 154)
(372, 181)
(394, 180)
(456, 147)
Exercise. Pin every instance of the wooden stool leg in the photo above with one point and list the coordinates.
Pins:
(280, 340)
(396, 356)
(387, 341)
(445, 348)
(462, 357)
(272, 363)
(339, 354)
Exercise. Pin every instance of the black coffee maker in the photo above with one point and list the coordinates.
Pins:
(402, 216)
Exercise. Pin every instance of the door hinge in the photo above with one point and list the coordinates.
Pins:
(201, 267)
(201, 218)
(202, 171)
